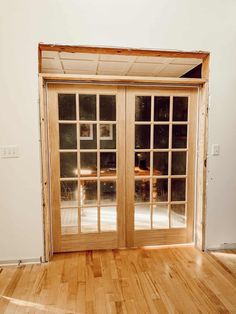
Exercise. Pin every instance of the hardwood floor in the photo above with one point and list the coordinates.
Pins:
(155, 280)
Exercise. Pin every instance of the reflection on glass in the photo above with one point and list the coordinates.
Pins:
(88, 192)
(67, 134)
(69, 220)
(142, 108)
(89, 218)
(88, 136)
(69, 193)
(88, 164)
(161, 108)
(68, 165)
(142, 191)
(160, 216)
(107, 107)
(180, 108)
(179, 136)
(142, 136)
(142, 217)
(142, 164)
(160, 190)
(108, 192)
(108, 164)
(161, 136)
(160, 163)
(178, 189)
(108, 218)
(87, 107)
(178, 163)
(107, 136)
(178, 216)
(67, 107)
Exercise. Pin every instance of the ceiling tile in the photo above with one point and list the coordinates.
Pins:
(112, 67)
(193, 61)
(143, 59)
(49, 54)
(79, 65)
(175, 70)
(122, 58)
(79, 56)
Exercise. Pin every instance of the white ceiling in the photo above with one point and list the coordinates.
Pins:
(105, 64)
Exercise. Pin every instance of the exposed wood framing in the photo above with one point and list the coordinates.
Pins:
(88, 79)
(202, 158)
(124, 51)
(45, 172)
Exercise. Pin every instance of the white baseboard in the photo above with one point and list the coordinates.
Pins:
(224, 246)
(21, 261)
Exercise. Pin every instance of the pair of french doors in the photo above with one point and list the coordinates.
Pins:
(121, 165)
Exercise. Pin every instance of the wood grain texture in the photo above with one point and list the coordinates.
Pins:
(124, 51)
(155, 280)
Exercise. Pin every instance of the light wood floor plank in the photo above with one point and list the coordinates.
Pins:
(130, 281)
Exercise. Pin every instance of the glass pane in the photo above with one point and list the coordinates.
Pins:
(87, 107)
(88, 192)
(108, 192)
(68, 165)
(142, 164)
(69, 220)
(108, 218)
(108, 164)
(178, 216)
(67, 106)
(68, 138)
(142, 217)
(142, 136)
(107, 107)
(178, 189)
(88, 136)
(178, 163)
(180, 109)
(107, 136)
(69, 193)
(89, 218)
(88, 164)
(142, 191)
(161, 136)
(160, 216)
(143, 108)
(161, 108)
(160, 164)
(179, 136)
(160, 190)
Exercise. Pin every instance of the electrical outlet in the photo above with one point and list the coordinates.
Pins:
(215, 149)
(9, 151)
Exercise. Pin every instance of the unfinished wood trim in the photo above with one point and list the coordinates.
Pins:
(39, 60)
(124, 51)
(93, 79)
(202, 159)
(45, 173)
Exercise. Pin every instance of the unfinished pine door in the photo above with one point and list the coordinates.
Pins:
(121, 166)
(86, 134)
(160, 156)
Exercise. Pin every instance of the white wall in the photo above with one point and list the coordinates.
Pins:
(175, 24)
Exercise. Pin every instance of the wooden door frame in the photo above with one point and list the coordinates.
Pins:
(202, 132)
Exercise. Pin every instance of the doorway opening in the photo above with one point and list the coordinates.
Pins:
(119, 136)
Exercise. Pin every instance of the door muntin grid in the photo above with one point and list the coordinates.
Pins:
(88, 162)
(161, 161)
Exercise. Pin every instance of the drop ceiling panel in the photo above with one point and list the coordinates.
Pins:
(79, 56)
(107, 64)
(112, 67)
(79, 65)
(175, 70)
(105, 57)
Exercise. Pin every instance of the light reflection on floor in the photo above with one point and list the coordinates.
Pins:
(69, 218)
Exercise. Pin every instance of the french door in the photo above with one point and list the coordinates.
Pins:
(121, 166)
